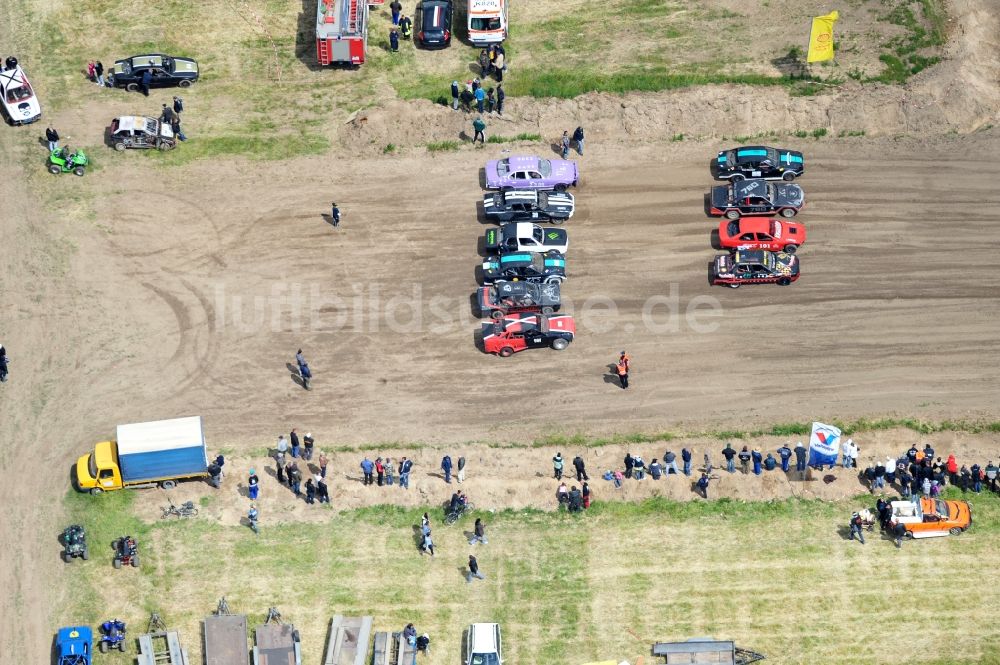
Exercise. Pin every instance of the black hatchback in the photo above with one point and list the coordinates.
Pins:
(434, 23)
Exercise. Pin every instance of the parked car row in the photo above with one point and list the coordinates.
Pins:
(525, 263)
(757, 230)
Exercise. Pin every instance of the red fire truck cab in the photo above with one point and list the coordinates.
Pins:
(341, 31)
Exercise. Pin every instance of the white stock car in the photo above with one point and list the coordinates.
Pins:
(19, 102)
(526, 237)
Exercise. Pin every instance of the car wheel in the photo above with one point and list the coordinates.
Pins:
(135, 562)
(103, 646)
(184, 83)
(560, 188)
(552, 252)
(120, 146)
(168, 484)
(132, 87)
(79, 171)
(557, 220)
(117, 563)
(85, 554)
(732, 214)
(908, 535)
(788, 176)
(788, 212)
(955, 530)
(67, 557)
(791, 248)
(54, 169)
(506, 352)
(121, 646)
(554, 280)
(94, 491)
(496, 314)
(739, 177)
(547, 311)
(733, 285)
(784, 281)
(163, 146)
(559, 344)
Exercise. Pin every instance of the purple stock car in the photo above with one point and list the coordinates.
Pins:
(530, 172)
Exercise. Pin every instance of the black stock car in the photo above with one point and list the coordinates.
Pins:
(516, 297)
(755, 266)
(757, 162)
(528, 205)
(756, 197)
(164, 70)
(524, 267)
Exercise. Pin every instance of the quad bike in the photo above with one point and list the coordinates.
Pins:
(126, 552)
(112, 635)
(74, 541)
(62, 161)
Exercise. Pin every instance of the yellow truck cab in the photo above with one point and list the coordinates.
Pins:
(145, 455)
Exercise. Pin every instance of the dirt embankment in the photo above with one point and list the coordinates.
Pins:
(960, 94)
(502, 478)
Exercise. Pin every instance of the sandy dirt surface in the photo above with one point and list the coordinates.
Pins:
(141, 293)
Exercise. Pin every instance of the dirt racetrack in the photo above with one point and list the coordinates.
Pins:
(140, 293)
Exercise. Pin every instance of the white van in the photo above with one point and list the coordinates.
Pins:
(487, 21)
(482, 644)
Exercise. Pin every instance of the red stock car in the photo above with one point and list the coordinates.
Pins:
(518, 332)
(761, 233)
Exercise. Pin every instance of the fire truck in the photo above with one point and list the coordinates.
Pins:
(341, 31)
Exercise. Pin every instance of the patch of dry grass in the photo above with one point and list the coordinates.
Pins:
(778, 577)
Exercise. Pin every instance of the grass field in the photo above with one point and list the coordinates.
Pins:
(778, 577)
(262, 96)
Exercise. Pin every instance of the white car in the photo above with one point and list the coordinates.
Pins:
(19, 101)
(482, 644)
(526, 237)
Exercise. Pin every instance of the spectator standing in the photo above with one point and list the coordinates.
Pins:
(334, 214)
(480, 100)
(307, 448)
(390, 472)
(253, 485)
(745, 460)
(638, 467)
(178, 105)
(490, 100)
(686, 458)
(91, 72)
(167, 114)
(925, 487)
(395, 8)
(578, 139)
(564, 142)
(323, 463)
(757, 459)
(890, 470)
(52, 136)
(279, 465)
(3, 364)
(928, 451)
(379, 471)
(952, 467)
(898, 533)
(405, 465)
(622, 369)
(879, 476)
(655, 470)
(99, 73)
(473, 570)
(629, 462)
(845, 453)
(499, 65)
(253, 518)
(479, 125)
(992, 471)
(322, 491)
(857, 527)
(147, 78)
(965, 478)
(703, 485)
(800, 460)
(557, 466)
(581, 469)
(405, 26)
(479, 533)
(175, 127)
(730, 454)
(310, 492)
(215, 475)
(586, 495)
(446, 467)
(293, 439)
(394, 40)
(454, 95)
(295, 479)
(484, 64)
(501, 96)
(785, 453)
(855, 451)
(368, 468)
(670, 463)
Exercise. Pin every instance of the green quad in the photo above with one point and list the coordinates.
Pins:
(62, 161)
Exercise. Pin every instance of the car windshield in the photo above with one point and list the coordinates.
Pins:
(492, 23)
(538, 234)
(769, 261)
(545, 167)
(733, 228)
(770, 192)
(484, 659)
(772, 156)
(730, 158)
(776, 229)
(538, 263)
(15, 95)
(150, 126)
(92, 466)
(543, 199)
(941, 507)
(503, 167)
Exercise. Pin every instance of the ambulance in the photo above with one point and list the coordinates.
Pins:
(487, 21)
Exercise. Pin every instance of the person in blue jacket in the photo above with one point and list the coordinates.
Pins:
(770, 463)
(686, 458)
(786, 455)
(757, 458)
(446, 467)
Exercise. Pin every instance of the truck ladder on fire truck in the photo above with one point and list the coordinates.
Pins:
(341, 31)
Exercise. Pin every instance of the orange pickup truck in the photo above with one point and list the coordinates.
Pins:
(932, 517)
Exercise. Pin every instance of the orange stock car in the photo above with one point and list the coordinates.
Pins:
(932, 517)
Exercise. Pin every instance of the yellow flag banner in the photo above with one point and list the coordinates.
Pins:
(821, 38)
